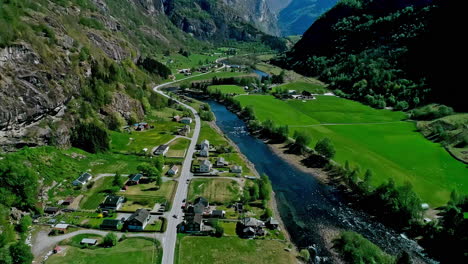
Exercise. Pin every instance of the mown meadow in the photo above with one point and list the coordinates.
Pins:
(370, 139)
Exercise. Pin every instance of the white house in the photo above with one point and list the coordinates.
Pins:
(83, 179)
(205, 166)
(236, 169)
(205, 143)
(173, 170)
(204, 152)
(221, 162)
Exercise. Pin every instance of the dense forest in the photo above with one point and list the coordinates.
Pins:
(384, 53)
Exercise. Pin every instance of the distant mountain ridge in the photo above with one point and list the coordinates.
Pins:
(386, 53)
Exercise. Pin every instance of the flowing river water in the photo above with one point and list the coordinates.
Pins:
(308, 207)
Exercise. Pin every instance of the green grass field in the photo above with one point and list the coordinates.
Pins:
(231, 250)
(389, 147)
(227, 89)
(207, 132)
(146, 195)
(95, 196)
(136, 141)
(131, 250)
(221, 74)
(215, 190)
(178, 147)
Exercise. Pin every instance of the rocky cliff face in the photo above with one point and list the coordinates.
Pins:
(257, 12)
(48, 63)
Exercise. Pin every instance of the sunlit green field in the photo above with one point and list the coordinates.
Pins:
(131, 250)
(230, 250)
(227, 89)
(371, 139)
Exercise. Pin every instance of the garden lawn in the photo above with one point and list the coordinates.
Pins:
(136, 141)
(218, 191)
(146, 195)
(389, 147)
(178, 147)
(131, 250)
(235, 159)
(227, 89)
(230, 250)
(207, 132)
(95, 196)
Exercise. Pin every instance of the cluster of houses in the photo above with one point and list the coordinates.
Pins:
(206, 165)
(196, 215)
(141, 126)
(304, 95)
(197, 218)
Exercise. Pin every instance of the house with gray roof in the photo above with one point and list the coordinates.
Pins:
(83, 179)
(205, 166)
(112, 202)
(138, 220)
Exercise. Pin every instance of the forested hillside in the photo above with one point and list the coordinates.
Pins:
(386, 53)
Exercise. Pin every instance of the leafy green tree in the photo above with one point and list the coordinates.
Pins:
(325, 148)
(404, 258)
(302, 140)
(21, 253)
(265, 187)
(91, 137)
(5, 257)
(110, 240)
(219, 231)
(158, 162)
(149, 170)
(24, 224)
(117, 180)
(305, 255)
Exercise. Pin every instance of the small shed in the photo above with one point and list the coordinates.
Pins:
(88, 241)
(51, 210)
(135, 179)
(173, 170)
(61, 227)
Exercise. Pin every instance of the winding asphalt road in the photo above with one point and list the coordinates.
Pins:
(170, 236)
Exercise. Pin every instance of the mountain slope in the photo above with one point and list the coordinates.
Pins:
(298, 15)
(62, 61)
(384, 53)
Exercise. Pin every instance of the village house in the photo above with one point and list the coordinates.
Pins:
(218, 213)
(251, 227)
(186, 120)
(176, 118)
(138, 220)
(112, 202)
(162, 150)
(272, 223)
(140, 126)
(61, 228)
(51, 210)
(221, 162)
(69, 200)
(111, 224)
(193, 217)
(205, 143)
(205, 166)
(184, 131)
(83, 179)
(173, 170)
(236, 169)
(204, 152)
(88, 241)
(135, 179)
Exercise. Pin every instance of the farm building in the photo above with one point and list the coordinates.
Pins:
(83, 179)
(161, 150)
(135, 179)
(88, 241)
(111, 224)
(186, 120)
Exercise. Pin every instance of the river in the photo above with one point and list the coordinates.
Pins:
(306, 205)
